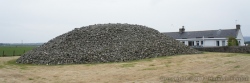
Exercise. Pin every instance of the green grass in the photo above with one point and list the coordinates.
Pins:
(237, 54)
(14, 50)
(237, 66)
(128, 65)
(1, 66)
(31, 79)
(151, 65)
(16, 65)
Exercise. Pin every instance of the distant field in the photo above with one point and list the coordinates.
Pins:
(14, 50)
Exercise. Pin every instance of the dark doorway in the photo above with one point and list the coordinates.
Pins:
(197, 43)
(218, 43)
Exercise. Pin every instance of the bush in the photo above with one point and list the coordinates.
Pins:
(232, 41)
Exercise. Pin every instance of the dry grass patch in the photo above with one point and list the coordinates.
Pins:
(150, 68)
(229, 62)
(155, 70)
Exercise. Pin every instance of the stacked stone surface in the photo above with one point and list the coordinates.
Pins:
(103, 43)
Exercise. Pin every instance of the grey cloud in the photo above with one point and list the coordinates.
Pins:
(47, 19)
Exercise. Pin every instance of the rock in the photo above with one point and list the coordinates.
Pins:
(103, 43)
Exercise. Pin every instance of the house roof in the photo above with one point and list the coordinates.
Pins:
(207, 34)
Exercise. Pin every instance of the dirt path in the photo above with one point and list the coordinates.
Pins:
(199, 68)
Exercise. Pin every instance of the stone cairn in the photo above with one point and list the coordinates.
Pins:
(102, 43)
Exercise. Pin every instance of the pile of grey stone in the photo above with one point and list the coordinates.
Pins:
(103, 43)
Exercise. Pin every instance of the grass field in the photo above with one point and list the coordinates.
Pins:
(196, 68)
(14, 50)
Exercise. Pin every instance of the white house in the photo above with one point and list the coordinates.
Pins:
(207, 38)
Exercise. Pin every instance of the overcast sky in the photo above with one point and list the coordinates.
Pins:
(33, 21)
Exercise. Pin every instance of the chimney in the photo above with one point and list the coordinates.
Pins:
(237, 27)
(182, 30)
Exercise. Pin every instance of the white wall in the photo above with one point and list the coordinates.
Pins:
(206, 43)
(212, 42)
(209, 43)
(240, 38)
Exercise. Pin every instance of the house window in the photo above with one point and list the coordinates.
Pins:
(202, 43)
(223, 43)
(190, 43)
(197, 43)
(183, 42)
(218, 43)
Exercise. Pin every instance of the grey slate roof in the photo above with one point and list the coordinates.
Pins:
(207, 34)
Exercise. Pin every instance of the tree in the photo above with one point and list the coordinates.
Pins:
(232, 41)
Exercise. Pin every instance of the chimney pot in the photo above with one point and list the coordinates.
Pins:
(238, 27)
(182, 30)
